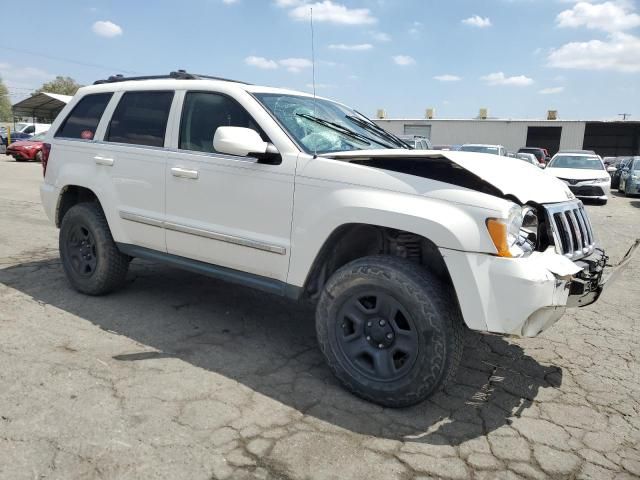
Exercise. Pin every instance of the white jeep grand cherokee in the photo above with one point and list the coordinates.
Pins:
(307, 198)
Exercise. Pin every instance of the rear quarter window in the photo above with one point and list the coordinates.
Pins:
(85, 116)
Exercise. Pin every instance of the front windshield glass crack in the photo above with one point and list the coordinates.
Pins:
(322, 126)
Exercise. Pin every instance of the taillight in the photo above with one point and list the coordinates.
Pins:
(46, 148)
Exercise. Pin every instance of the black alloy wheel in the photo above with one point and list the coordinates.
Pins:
(81, 251)
(377, 336)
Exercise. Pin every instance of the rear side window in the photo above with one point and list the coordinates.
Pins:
(204, 112)
(85, 116)
(141, 119)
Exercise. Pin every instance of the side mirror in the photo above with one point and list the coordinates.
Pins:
(611, 169)
(245, 142)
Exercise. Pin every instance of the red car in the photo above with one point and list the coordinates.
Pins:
(28, 150)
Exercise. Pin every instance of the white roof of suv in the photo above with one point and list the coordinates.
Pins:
(181, 79)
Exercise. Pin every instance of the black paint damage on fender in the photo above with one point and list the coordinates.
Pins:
(440, 169)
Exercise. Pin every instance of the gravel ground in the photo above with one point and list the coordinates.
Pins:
(181, 376)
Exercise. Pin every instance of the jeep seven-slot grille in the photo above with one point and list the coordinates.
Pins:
(571, 229)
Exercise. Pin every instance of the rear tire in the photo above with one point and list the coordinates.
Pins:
(90, 258)
(390, 330)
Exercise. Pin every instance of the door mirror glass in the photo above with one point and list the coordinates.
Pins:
(243, 142)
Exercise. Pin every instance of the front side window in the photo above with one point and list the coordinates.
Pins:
(323, 126)
(141, 119)
(203, 113)
(581, 162)
(29, 130)
(85, 116)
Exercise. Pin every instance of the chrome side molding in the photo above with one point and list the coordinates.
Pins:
(222, 237)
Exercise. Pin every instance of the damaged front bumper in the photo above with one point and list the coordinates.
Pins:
(587, 285)
(526, 296)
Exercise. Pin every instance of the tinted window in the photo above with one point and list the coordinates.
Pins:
(85, 116)
(141, 118)
(203, 113)
(29, 130)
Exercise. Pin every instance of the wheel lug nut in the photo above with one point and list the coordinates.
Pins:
(368, 339)
(380, 346)
(344, 325)
(389, 336)
(382, 323)
(369, 324)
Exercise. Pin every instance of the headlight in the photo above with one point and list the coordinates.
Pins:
(516, 235)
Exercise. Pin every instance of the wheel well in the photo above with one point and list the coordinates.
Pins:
(70, 196)
(352, 241)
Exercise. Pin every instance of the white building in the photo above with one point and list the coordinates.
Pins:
(606, 138)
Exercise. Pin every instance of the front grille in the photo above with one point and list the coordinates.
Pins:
(575, 181)
(587, 191)
(571, 229)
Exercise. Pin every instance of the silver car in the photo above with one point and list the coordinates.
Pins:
(630, 178)
(484, 148)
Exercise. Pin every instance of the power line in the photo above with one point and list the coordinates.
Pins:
(69, 60)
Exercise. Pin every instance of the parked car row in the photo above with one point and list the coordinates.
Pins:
(626, 177)
(26, 141)
(27, 150)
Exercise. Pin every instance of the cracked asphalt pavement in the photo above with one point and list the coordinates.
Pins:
(181, 376)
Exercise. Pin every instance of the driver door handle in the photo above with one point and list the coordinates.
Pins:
(184, 173)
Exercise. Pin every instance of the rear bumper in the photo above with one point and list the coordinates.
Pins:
(526, 296)
(49, 197)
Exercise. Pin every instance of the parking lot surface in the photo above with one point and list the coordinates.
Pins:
(182, 376)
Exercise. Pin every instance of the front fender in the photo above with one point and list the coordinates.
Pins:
(318, 212)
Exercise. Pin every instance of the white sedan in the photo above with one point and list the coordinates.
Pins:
(584, 173)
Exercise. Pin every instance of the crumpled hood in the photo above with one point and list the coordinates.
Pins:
(511, 176)
(577, 173)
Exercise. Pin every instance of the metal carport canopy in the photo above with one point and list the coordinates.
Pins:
(44, 106)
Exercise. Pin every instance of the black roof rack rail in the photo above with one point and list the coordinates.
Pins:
(177, 75)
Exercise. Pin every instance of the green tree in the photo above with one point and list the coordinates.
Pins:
(60, 85)
(5, 103)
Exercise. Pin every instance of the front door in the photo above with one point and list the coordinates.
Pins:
(222, 209)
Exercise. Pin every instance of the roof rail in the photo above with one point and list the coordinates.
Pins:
(177, 75)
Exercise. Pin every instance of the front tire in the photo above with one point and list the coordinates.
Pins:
(90, 258)
(390, 330)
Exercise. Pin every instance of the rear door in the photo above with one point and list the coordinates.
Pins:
(132, 159)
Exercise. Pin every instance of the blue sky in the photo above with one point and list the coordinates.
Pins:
(518, 58)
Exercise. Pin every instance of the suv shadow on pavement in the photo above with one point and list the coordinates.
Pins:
(268, 344)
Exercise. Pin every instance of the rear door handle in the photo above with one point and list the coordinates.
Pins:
(184, 173)
(103, 161)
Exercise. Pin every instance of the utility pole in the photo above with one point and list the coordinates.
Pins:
(624, 116)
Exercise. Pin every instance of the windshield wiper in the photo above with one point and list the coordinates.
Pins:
(367, 124)
(338, 128)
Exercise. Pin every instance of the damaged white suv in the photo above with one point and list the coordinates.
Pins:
(307, 198)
